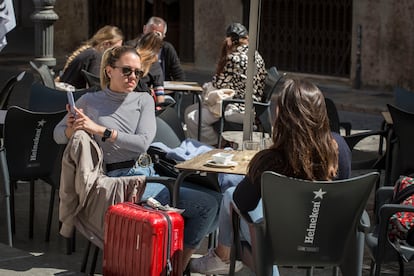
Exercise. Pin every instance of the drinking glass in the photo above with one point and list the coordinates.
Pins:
(250, 148)
(266, 143)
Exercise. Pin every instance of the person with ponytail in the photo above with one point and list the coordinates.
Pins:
(88, 56)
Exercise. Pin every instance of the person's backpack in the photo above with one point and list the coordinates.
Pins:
(402, 223)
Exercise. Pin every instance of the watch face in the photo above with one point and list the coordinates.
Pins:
(107, 133)
(144, 160)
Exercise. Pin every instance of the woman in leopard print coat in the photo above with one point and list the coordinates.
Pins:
(231, 73)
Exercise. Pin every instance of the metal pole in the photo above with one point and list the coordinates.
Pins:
(357, 82)
(6, 181)
(44, 17)
(254, 23)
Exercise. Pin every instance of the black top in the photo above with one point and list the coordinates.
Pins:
(247, 194)
(89, 60)
(170, 63)
(153, 79)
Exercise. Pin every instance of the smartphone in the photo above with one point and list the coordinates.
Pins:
(71, 102)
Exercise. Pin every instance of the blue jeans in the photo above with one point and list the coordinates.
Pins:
(225, 236)
(201, 205)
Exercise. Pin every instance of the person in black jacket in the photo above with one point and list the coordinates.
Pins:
(167, 57)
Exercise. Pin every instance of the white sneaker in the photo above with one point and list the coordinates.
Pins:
(212, 264)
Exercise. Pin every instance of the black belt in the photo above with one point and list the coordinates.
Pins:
(120, 165)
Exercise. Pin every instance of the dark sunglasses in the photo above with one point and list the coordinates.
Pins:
(127, 71)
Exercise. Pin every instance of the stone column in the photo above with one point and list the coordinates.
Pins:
(44, 17)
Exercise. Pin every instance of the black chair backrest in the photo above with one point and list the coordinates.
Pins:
(404, 99)
(272, 81)
(45, 99)
(332, 115)
(8, 88)
(311, 223)
(403, 149)
(91, 79)
(169, 129)
(45, 74)
(31, 152)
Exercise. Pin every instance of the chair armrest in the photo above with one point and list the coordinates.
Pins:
(259, 106)
(353, 139)
(254, 256)
(226, 102)
(347, 126)
(169, 182)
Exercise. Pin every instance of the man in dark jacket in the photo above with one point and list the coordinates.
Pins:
(168, 58)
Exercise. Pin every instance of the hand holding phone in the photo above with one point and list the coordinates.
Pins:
(71, 102)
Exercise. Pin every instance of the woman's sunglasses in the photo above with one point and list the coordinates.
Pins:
(127, 71)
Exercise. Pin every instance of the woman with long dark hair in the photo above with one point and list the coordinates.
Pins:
(303, 147)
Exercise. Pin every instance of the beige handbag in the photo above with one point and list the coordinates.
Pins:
(213, 99)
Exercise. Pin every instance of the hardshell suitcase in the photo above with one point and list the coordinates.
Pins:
(142, 241)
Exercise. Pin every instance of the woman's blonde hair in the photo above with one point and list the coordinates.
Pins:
(111, 56)
(148, 48)
(110, 34)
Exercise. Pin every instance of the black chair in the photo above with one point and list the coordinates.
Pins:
(404, 99)
(8, 88)
(44, 74)
(333, 116)
(400, 149)
(46, 99)
(31, 154)
(380, 248)
(91, 79)
(6, 193)
(306, 224)
(261, 109)
(360, 160)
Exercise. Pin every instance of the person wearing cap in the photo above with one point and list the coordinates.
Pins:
(231, 73)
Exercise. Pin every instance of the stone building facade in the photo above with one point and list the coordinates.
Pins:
(387, 36)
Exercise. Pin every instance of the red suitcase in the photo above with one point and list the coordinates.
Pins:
(142, 241)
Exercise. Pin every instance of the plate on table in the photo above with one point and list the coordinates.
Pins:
(229, 164)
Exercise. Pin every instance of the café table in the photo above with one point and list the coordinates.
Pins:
(203, 164)
(187, 87)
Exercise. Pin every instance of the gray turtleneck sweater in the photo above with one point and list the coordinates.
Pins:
(131, 114)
